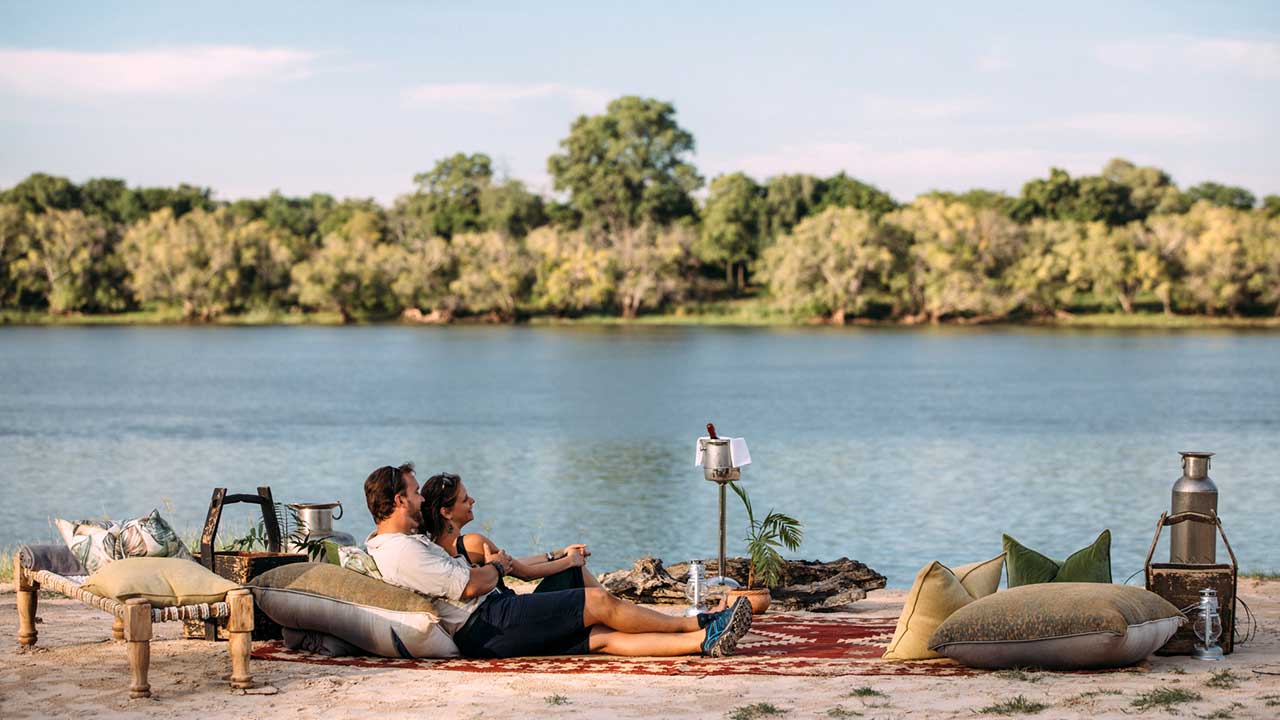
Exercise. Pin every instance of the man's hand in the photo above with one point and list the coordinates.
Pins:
(577, 555)
(499, 556)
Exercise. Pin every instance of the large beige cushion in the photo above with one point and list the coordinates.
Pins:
(1060, 626)
(937, 592)
(161, 581)
(377, 617)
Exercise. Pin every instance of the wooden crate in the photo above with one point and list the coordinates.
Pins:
(1181, 585)
(241, 567)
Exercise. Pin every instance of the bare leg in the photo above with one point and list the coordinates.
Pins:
(655, 644)
(601, 608)
(588, 579)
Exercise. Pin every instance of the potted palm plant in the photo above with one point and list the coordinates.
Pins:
(764, 539)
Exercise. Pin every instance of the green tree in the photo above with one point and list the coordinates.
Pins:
(1217, 267)
(651, 266)
(511, 209)
(959, 256)
(40, 192)
(840, 190)
(111, 200)
(1271, 206)
(1222, 195)
(1114, 264)
(66, 256)
(493, 271)
(628, 166)
(835, 263)
(788, 200)
(1037, 281)
(207, 263)
(732, 225)
(353, 271)
(1262, 260)
(980, 199)
(447, 201)
(572, 273)
(12, 232)
(1151, 190)
(423, 283)
(181, 200)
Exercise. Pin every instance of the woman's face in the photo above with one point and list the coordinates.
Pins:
(460, 513)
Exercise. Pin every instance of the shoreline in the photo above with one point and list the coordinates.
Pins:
(746, 319)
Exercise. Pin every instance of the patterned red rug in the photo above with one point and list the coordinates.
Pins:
(778, 644)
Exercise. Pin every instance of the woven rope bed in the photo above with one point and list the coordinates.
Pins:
(132, 618)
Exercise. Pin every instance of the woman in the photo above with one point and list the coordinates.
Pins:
(447, 508)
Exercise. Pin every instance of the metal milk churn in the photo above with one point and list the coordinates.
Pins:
(1193, 542)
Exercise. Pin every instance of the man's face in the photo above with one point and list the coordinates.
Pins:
(413, 499)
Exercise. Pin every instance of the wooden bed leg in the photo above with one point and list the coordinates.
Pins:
(137, 631)
(240, 628)
(117, 627)
(28, 598)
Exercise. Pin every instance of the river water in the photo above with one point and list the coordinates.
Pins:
(893, 447)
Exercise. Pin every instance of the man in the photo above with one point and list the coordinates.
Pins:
(487, 622)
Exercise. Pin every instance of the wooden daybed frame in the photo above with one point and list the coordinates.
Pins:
(133, 619)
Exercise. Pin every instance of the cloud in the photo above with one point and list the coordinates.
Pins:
(1181, 54)
(66, 74)
(494, 96)
(932, 109)
(906, 172)
(1143, 127)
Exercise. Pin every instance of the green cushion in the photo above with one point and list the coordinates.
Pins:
(1090, 564)
(163, 582)
(1059, 626)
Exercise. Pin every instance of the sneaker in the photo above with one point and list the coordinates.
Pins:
(726, 628)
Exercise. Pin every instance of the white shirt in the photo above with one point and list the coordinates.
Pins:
(417, 563)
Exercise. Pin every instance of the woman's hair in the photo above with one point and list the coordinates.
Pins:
(438, 492)
(380, 490)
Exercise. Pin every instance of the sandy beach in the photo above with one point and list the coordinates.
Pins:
(77, 670)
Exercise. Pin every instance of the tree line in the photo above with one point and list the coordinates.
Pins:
(628, 232)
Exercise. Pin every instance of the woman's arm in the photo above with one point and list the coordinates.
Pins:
(533, 567)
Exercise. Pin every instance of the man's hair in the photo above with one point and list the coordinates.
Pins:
(381, 488)
(438, 492)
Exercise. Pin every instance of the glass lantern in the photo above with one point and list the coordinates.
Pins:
(695, 588)
(1207, 625)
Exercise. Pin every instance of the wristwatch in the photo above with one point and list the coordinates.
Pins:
(551, 556)
(498, 566)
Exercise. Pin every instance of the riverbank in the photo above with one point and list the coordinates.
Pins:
(749, 312)
(77, 670)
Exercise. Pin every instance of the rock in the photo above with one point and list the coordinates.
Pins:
(802, 584)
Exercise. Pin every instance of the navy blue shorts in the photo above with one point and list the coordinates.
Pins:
(510, 625)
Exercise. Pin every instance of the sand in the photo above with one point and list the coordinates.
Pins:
(77, 670)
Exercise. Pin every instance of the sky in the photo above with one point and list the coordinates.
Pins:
(354, 99)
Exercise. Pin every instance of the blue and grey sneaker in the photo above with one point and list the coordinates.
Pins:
(726, 628)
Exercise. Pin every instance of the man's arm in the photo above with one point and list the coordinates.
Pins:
(485, 578)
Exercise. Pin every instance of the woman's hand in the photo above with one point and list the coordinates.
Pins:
(577, 555)
(499, 556)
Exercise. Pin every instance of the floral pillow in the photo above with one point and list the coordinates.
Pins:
(151, 536)
(97, 542)
(353, 558)
(93, 542)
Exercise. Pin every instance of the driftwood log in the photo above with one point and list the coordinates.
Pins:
(802, 584)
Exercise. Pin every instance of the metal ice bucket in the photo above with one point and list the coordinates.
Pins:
(717, 461)
(316, 519)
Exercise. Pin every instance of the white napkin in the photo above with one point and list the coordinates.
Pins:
(737, 450)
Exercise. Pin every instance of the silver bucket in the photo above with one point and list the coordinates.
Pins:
(316, 519)
(717, 461)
